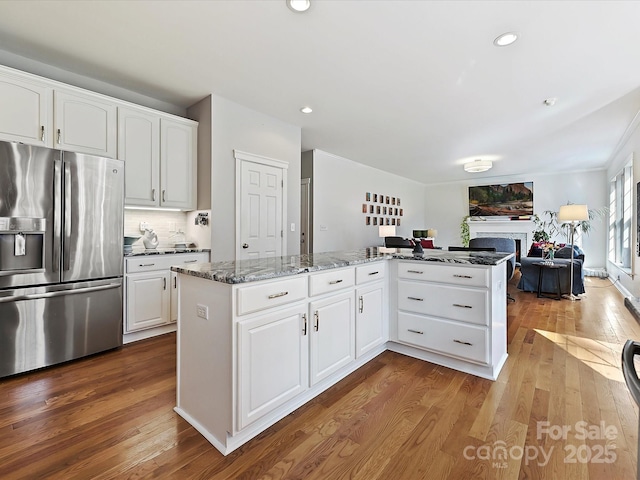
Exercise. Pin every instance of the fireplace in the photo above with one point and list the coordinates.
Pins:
(519, 230)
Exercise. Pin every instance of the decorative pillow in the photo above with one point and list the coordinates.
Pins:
(426, 243)
(535, 250)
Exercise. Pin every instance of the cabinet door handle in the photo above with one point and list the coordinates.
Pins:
(42, 133)
(304, 325)
(374, 273)
(416, 299)
(163, 192)
(175, 282)
(59, 135)
(316, 321)
(462, 342)
(164, 283)
(190, 261)
(415, 331)
(415, 271)
(463, 276)
(462, 306)
(361, 304)
(333, 282)
(153, 194)
(146, 264)
(276, 295)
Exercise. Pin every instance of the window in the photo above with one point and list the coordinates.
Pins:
(620, 213)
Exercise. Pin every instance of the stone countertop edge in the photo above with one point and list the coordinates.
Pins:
(138, 252)
(246, 271)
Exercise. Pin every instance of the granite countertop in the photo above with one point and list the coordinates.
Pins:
(141, 251)
(245, 271)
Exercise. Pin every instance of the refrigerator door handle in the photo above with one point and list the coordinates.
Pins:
(67, 217)
(59, 293)
(57, 215)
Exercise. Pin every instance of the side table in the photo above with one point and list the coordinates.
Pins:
(551, 267)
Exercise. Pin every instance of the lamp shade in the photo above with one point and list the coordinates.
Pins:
(573, 213)
(478, 166)
(387, 231)
(432, 233)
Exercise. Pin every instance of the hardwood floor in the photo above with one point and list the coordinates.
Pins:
(110, 416)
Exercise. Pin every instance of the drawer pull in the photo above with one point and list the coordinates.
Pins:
(276, 295)
(462, 306)
(463, 276)
(416, 299)
(146, 264)
(374, 273)
(190, 261)
(304, 329)
(333, 282)
(415, 271)
(462, 343)
(418, 332)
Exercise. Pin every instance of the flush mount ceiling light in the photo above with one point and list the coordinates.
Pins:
(505, 39)
(306, 110)
(478, 166)
(299, 6)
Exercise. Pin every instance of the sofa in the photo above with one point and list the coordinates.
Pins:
(529, 273)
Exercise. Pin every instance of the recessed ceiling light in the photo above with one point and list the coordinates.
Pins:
(478, 166)
(306, 110)
(505, 39)
(299, 6)
(550, 102)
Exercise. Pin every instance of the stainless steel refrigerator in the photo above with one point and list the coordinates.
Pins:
(61, 260)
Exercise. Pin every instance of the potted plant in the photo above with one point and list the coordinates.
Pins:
(540, 234)
(464, 231)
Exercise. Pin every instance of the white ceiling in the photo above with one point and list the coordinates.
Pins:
(413, 87)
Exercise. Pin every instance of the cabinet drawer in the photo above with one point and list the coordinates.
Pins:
(370, 272)
(331, 281)
(457, 303)
(147, 263)
(468, 276)
(449, 338)
(258, 297)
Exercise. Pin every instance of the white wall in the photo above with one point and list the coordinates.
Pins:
(235, 127)
(447, 204)
(630, 145)
(54, 73)
(339, 188)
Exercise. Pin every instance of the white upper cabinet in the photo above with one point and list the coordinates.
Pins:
(85, 124)
(25, 115)
(178, 163)
(139, 147)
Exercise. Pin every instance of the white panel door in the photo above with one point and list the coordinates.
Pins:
(332, 335)
(260, 211)
(177, 164)
(84, 124)
(369, 318)
(24, 115)
(273, 358)
(139, 147)
(148, 300)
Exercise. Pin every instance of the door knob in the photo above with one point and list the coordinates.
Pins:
(245, 245)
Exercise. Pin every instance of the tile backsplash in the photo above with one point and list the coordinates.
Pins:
(166, 224)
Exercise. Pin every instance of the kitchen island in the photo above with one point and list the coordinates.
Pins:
(259, 338)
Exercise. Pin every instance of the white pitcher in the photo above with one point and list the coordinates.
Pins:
(150, 239)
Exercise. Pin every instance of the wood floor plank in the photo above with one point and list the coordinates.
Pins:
(110, 416)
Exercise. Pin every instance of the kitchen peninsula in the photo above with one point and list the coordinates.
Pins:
(258, 339)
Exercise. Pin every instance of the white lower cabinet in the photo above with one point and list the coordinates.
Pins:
(370, 317)
(273, 353)
(151, 289)
(148, 298)
(332, 335)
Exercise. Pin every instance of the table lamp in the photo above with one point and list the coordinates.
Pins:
(572, 214)
(386, 231)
